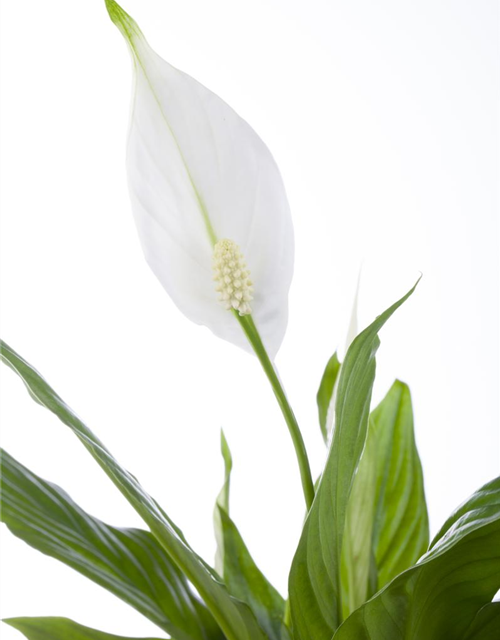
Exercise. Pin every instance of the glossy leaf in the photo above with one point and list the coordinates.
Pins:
(198, 173)
(128, 562)
(387, 527)
(401, 530)
(358, 570)
(60, 629)
(486, 625)
(243, 578)
(487, 497)
(315, 577)
(443, 594)
(235, 618)
(325, 393)
(246, 582)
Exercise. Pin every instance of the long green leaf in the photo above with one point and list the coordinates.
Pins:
(315, 580)
(486, 625)
(488, 497)
(325, 393)
(401, 529)
(222, 502)
(60, 629)
(235, 618)
(243, 578)
(246, 582)
(387, 527)
(441, 596)
(325, 397)
(358, 568)
(128, 562)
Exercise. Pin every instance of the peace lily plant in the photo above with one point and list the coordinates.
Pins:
(215, 226)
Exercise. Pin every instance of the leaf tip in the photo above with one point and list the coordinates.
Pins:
(16, 623)
(400, 385)
(226, 452)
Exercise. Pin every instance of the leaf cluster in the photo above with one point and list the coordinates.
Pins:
(363, 569)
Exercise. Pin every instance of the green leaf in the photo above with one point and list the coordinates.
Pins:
(358, 570)
(387, 527)
(488, 497)
(315, 581)
(222, 502)
(60, 629)
(246, 582)
(325, 393)
(486, 625)
(243, 578)
(128, 562)
(401, 530)
(444, 593)
(235, 618)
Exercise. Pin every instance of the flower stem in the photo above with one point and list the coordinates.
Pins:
(251, 332)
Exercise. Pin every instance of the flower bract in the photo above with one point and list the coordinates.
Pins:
(199, 174)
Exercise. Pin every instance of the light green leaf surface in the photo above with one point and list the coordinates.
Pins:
(246, 582)
(358, 568)
(222, 502)
(128, 562)
(243, 578)
(441, 596)
(60, 629)
(325, 393)
(486, 625)
(235, 618)
(315, 580)
(401, 529)
(387, 527)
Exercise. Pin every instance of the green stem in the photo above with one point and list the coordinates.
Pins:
(248, 326)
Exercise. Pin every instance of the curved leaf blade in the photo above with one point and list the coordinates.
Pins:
(246, 582)
(315, 577)
(128, 562)
(488, 497)
(401, 529)
(234, 618)
(441, 596)
(358, 570)
(241, 575)
(325, 393)
(222, 502)
(387, 526)
(60, 629)
(486, 625)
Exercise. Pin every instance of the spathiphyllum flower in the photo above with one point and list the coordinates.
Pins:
(208, 200)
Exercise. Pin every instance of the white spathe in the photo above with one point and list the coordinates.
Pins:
(198, 173)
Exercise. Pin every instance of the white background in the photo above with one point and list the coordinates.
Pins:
(383, 117)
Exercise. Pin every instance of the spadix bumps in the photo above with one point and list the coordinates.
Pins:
(198, 173)
(232, 277)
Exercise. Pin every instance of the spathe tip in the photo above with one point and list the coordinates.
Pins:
(122, 20)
